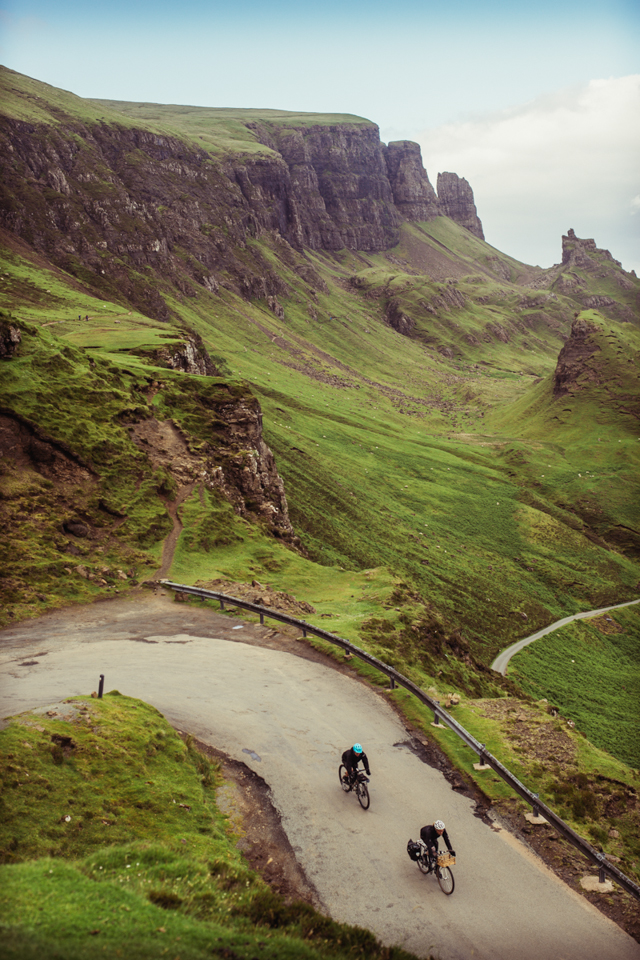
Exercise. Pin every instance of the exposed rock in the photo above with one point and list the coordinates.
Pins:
(495, 264)
(413, 194)
(236, 461)
(77, 528)
(10, 339)
(262, 595)
(449, 298)
(276, 307)
(399, 320)
(455, 198)
(583, 253)
(28, 445)
(190, 357)
(570, 283)
(596, 303)
(571, 361)
(335, 192)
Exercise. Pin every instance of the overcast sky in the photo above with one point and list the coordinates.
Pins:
(538, 107)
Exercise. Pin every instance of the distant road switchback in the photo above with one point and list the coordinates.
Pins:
(252, 694)
(502, 660)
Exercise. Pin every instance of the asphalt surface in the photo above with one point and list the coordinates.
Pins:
(289, 718)
(501, 662)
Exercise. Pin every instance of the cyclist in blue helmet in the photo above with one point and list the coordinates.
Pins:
(352, 757)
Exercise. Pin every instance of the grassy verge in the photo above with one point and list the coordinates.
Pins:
(111, 842)
(589, 671)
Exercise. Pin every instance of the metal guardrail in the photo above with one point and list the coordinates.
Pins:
(398, 680)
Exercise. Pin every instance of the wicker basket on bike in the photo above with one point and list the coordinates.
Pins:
(446, 859)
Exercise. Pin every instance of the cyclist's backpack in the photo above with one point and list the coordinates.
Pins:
(413, 849)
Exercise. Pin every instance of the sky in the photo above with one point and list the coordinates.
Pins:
(537, 106)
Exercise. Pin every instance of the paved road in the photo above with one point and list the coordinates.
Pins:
(289, 718)
(502, 660)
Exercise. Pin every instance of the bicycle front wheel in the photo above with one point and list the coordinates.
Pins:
(344, 778)
(445, 879)
(363, 795)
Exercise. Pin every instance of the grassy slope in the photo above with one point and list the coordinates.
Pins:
(389, 460)
(111, 841)
(443, 499)
(591, 669)
(218, 131)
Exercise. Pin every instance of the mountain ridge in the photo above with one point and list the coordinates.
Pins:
(168, 264)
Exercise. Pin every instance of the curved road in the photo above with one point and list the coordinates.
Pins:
(502, 660)
(289, 718)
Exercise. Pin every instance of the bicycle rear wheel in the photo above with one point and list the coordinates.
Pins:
(344, 778)
(445, 879)
(363, 795)
(423, 863)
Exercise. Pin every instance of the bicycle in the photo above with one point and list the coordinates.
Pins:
(440, 865)
(358, 782)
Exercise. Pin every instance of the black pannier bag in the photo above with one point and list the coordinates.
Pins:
(413, 849)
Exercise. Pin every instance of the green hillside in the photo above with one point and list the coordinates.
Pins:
(142, 860)
(455, 436)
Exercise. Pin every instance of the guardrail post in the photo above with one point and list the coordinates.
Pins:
(392, 683)
(536, 809)
(101, 686)
(262, 618)
(222, 604)
(601, 873)
(436, 718)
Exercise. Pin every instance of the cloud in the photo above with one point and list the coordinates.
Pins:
(567, 159)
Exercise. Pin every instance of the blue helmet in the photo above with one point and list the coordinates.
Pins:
(357, 748)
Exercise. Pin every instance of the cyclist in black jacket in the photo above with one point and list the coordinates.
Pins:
(352, 757)
(430, 836)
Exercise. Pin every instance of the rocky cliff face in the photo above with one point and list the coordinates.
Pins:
(413, 194)
(572, 360)
(338, 192)
(583, 253)
(234, 460)
(112, 201)
(455, 199)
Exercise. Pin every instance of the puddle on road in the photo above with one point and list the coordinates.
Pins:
(252, 754)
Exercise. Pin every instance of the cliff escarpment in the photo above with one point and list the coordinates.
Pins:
(115, 203)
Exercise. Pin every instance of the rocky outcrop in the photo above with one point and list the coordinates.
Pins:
(399, 320)
(572, 365)
(413, 194)
(10, 339)
(235, 460)
(191, 356)
(455, 199)
(244, 469)
(583, 253)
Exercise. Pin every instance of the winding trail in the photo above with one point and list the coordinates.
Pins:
(250, 692)
(501, 662)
